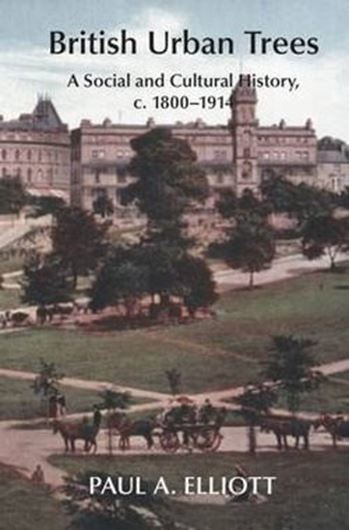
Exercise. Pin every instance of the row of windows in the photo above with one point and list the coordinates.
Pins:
(283, 155)
(280, 140)
(100, 153)
(30, 173)
(29, 155)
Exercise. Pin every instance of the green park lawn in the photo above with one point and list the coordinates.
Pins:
(211, 354)
(310, 493)
(10, 299)
(26, 508)
(18, 401)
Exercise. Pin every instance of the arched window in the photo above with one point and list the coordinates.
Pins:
(29, 175)
(3, 154)
(3, 172)
(246, 170)
(29, 154)
(17, 155)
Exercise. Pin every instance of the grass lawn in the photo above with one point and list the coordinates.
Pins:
(310, 493)
(10, 299)
(329, 397)
(18, 401)
(24, 507)
(211, 354)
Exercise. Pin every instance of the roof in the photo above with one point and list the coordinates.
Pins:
(43, 118)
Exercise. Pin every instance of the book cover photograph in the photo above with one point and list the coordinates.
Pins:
(174, 265)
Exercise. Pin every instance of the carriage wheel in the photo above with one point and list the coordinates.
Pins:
(169, 441)
(208, 440)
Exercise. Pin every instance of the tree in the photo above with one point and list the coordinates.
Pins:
(112, 400)
(325, 235)
(46, 383)
(122, 278)
(291, 366)
(300, 201)
(169, 182)
(46, 280)
(168, 177)
(108, 511)
(198, 286)
(103, 205)
(251, 247)
(12, 195)
(79, 240)
(254, 401)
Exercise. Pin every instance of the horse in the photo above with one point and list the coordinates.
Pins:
(337, 427)
(71, 432)
(126, 428)
(287, 427)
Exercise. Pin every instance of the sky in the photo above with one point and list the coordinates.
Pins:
(27, 68)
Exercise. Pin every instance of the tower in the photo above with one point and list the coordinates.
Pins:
(243, 130)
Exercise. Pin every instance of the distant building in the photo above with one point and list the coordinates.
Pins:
(36, 148)
(238, 155)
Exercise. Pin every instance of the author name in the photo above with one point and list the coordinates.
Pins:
(191, 485)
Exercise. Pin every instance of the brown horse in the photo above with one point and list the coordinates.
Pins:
(126, 428)
(337, 427)
(282, 428)
(71, 432)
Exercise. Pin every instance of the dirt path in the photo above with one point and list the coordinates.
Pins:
(25, 449)
(282, 269)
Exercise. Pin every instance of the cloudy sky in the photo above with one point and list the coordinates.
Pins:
(27, 68)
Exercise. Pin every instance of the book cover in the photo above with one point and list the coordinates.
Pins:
(174, 242)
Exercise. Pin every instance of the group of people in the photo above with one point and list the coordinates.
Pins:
(190, 413)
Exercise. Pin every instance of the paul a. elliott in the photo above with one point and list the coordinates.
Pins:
(192, 485)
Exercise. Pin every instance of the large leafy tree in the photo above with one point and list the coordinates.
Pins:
(291, 365)
(325, 235)
(12, 195)
(122, 278)
(79, 240)
(46, 280)
(168, 183)
(168, 177)
(251, 246)
(300, 201)
(198, 286)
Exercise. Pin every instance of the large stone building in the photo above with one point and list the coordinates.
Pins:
(36, 148)
(93, 161)
(238, 155)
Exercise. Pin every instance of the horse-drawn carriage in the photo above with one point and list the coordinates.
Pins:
(205, 437)
(174, 430)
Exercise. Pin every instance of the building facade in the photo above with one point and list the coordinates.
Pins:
(238, 155)
(36, 148)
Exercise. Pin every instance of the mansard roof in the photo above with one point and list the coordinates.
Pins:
(43, 118)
